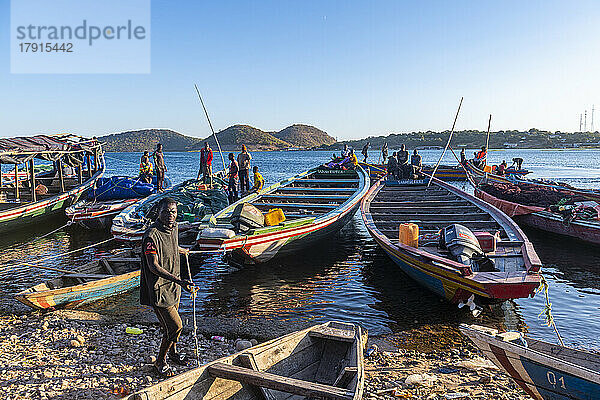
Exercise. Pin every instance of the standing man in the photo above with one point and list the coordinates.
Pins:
(392, 166)
(243, 160)
(233, 173)
(416, 162)
(463, 157)
(384, 152)
(346, 151)
(161, 283)
(161, 168)
(403, 162)
(365, 151)
(146, 168)
(206, 157)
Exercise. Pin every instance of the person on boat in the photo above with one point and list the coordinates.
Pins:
(416, 162)
(206, 157)
(518, 161)
(160, 166)
(351, 162)
(243, 160)
(161, 282)
(259, 181)
(232, 192)
(146, 168)
(365, 151)
(481, 157)
(463, 157)
(384, 152)
(346, 151)
(403, 165)
(392, 166)
(501, 169)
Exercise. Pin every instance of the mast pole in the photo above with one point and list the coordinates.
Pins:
(210, 124)
(447, 144)
(487, 140)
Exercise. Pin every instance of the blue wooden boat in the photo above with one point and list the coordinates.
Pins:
(545, 371)
(96, 280)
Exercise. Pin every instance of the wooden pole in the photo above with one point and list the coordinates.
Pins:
(80, 173)
(1, 175)
(32, 180)
(211, 127)
(60, 175)
(89, 165)
(487, 140)
(447, 144)
(17, 181)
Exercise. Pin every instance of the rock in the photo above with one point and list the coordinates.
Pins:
(80, 339)
(243, 345)
(48, 373)
(151, 359)
(45, 326)
(420, 379)
(254, 342)
(476, 364)
(74, 343)
(485, 379)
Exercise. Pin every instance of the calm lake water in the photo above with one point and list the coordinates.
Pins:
(347, 277)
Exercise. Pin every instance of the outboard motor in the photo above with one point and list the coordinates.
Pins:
(464, 247)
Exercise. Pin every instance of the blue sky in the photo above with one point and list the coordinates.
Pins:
(353, 69)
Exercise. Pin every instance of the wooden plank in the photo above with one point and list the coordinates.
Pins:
(345, 377)
(430, 216)
(423, 203)
(308, 181)
(297, 205)
(124, 259)
(292, 189)
(32, 180)
(247, 361)
(88, 276)
(305, 197)
(326, 332)
(280, 383)
(17, 181)
(107, 266)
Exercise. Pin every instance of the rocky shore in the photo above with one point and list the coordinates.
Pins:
(63, 355)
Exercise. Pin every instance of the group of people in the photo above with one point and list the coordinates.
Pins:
(147, 170)
(399, 166)
(238, 171)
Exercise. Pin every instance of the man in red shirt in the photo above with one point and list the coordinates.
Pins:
(206, 157)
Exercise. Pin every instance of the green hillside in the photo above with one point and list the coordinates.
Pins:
(304, 136)
(147, 139)
(232, 139)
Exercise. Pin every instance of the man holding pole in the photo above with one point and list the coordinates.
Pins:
(161, 282)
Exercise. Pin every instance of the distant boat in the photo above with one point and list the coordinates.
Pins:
(96, 280)
(543, 370)
(315, 204)
(194, 198)
(509, 175)
(322, 362)
(108, 198)
(78, 163)
(458, 246)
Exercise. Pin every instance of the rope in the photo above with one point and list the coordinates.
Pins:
(193, 294)
(31, 263)
(547, 311)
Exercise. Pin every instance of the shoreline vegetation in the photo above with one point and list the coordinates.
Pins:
(307, 137)
(76, 354)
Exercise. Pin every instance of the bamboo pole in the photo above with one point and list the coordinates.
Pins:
(487, 140)
(80, 173)
(61, 178)
(447, 144)
(17, 181)
(211, 127)
(32, 179)
(89, 165)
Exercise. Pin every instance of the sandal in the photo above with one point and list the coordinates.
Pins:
(165, 371)
(178, 358)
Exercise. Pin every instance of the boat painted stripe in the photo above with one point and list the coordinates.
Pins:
(507, 365)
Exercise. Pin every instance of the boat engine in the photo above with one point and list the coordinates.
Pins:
(465, 248)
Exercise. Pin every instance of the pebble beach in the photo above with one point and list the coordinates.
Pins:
(77, 355)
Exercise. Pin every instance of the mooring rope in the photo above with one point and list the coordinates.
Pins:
(193, 294)
(16, 246)
(547, 311)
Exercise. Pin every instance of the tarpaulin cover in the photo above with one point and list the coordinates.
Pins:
(22, 149)
(509, 208)
(120, 188)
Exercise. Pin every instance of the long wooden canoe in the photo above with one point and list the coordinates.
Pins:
(316, 203)
(545, 371)
(390, 203)
(96, 280)
(322, 362)
(22, 205)
(544, 219)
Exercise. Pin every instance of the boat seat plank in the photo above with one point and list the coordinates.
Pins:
(314, 190)
(440, 216)
(124, 259)
(342, 335)
(297, 205)
(276, 382)
(304, 197)
(422, 203)
(87, 276)
(107, 266)
(247, 360)
(345, 377)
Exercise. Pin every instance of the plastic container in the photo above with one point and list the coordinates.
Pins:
(133, 331)
(487, 241)
(217, 338)
(189, 217)
(408, 234)
(487, 169)
(275, 216)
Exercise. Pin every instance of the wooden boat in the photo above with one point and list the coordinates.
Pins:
(590, 194)
(96, 280)
(545, 371)
(444, 172)
(21, 204)
(544, 219)
(131, 223)
(98, 214)
(322, 362)
(514, 273)
(316, 203)
(510, 175)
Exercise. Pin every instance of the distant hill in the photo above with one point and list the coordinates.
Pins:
(147, 139)
(305, 136)
(231, 139)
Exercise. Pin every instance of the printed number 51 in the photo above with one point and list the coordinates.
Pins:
(552, 379)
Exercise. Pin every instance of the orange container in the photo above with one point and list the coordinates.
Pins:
(274, 217)
(487, 169)
(408, 234)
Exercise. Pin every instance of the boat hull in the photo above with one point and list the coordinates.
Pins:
(546, 221)
(542, 375)
(75, 296)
